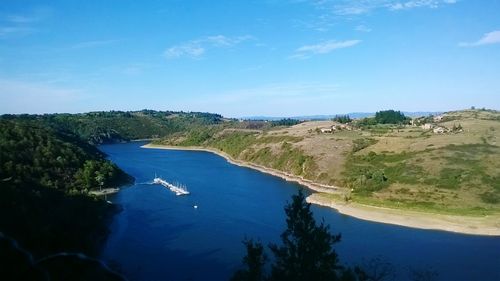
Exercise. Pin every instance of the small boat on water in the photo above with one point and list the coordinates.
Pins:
(178, 189)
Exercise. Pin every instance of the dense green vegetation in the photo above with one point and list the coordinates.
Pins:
(116, 126)
(384, 117)
(465, 167)
(253, 147)
(45, 176)
(344, 119)
(230, 137)
(285, 122)
(48, 166)
(390, 117)
(234, 143)
(287, 158)
(31, 153)
(362, 143)
(373, 172)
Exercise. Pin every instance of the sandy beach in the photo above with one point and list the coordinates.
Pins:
(488, 225)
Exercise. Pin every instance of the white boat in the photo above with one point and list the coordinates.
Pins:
(177, 189)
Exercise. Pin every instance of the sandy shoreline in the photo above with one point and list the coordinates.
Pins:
(489, 225)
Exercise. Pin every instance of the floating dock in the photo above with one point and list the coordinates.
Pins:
(177, 189)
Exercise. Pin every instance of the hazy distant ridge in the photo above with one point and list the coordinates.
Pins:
(354, 115)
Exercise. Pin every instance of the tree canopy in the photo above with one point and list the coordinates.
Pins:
(117, 126)
(344, 119)
(306, 252)
(45, 176)
(390, 117)
(285, 122)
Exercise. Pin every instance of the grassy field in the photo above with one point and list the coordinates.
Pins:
(384, 165)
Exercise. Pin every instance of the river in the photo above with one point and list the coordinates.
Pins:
(161, 236)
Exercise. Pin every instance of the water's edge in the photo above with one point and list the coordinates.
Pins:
(484, 226)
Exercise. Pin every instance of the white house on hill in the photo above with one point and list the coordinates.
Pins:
(440, 130)
(427, 126)
(438, 118)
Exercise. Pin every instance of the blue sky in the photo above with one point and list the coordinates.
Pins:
(243, 58)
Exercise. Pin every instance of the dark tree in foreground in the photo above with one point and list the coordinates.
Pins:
(375, 269)
(18, 264)
(306, 253)
(254, 263)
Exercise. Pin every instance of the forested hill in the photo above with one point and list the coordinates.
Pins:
(118, 126)
(45, 176)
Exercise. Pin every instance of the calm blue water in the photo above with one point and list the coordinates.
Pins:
(160, 236)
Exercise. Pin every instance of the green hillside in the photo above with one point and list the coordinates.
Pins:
(45, 177)
(118, 126)
(449, 168)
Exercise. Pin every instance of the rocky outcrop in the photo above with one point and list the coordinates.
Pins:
(106, 137)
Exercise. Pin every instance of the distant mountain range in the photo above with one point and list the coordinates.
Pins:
(354, 115)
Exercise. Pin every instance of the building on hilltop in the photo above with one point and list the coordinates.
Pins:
(438, 118)
(340, 127)
(440, 130)
(427, 126)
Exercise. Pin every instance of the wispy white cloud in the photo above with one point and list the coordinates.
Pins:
(333, 11)
(185, 50)
(223, 41)
(92, 44)
(15, 18)
(326, 47)
(360, 7)
(196, 48)
(322, 48)
(20, 18)
(7, 31)
(362, 28)
(487, 39)
(320, 23)
(406, 5)
(21, 24)
(34, 15)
